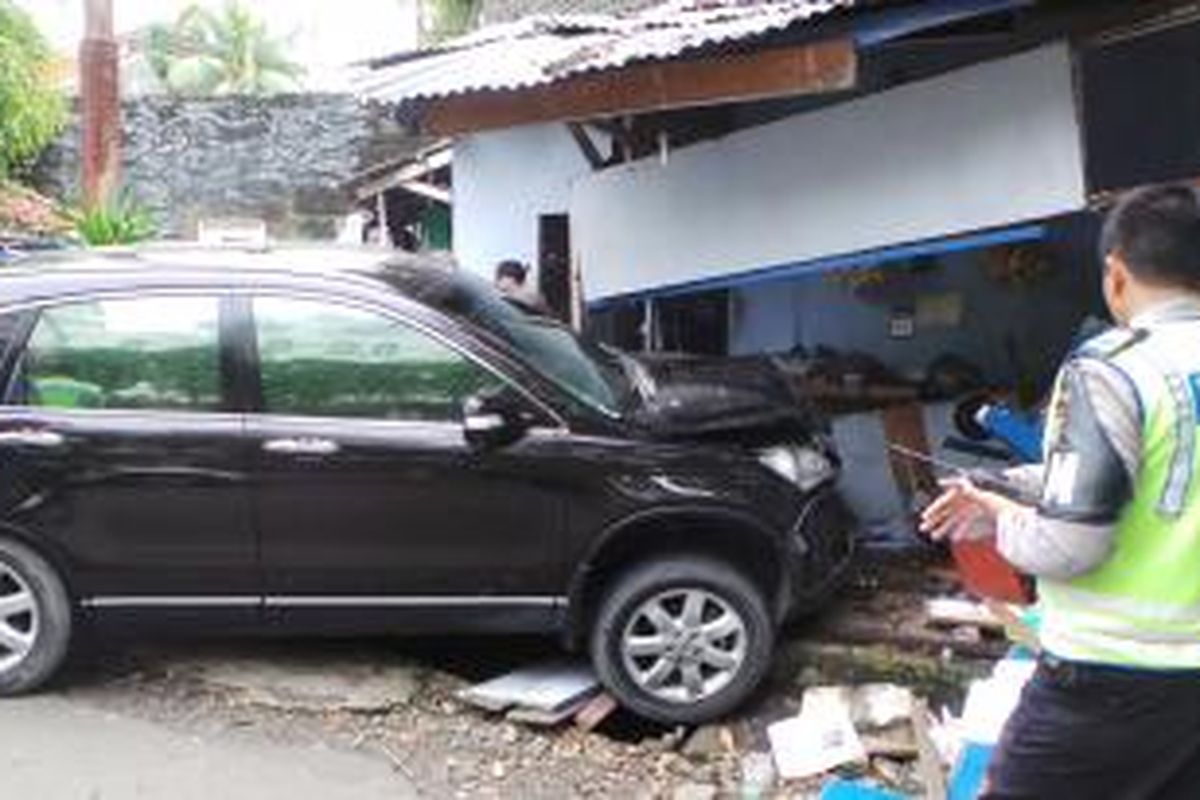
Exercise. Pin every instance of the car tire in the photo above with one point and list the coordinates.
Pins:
(35, 622)
(647, 607)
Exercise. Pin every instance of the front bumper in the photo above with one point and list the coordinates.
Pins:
(821, 547)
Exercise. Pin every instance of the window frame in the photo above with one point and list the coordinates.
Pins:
(243, 302)
(229, 372)
(11, 353)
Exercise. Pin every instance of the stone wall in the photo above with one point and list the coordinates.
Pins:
(283, 159)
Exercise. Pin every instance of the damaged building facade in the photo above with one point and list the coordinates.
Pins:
(896, 200)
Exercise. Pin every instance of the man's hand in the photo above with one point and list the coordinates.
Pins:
(964, 511)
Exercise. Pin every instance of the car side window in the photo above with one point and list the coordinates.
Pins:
(159, 353)
(321, 359)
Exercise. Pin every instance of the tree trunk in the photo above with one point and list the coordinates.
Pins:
(99, 60)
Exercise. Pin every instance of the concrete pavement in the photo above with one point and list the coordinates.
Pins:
(53, 747)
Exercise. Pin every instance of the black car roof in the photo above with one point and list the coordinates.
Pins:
(47, 275)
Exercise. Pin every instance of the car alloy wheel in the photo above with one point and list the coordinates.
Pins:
(682, 639)
(684, 645)
(18, 619)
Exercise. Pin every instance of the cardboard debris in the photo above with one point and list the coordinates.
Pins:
(820, 738)
(550, 688)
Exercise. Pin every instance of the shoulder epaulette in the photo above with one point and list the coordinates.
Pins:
(1111, 344)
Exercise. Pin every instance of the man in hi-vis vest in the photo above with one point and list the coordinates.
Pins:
(1113, 709)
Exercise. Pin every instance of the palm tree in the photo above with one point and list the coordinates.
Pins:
(224, 52)
(446, 19)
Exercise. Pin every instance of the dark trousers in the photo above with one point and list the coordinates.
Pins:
(1101, 732)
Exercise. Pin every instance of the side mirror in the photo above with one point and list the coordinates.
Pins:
(491, 421)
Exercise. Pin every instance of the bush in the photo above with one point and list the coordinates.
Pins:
(32, 109)
(25, 212)
(120, 222)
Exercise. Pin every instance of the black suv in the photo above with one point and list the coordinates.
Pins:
(342, 442)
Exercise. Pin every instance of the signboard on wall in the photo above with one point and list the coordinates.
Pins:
(981, 147)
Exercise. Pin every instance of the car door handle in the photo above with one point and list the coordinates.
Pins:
(302, 446)
(43, 440)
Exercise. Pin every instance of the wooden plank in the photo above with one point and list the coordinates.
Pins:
(435, 193)
(905, 425)
(595, 712)
(586, 145)
(820, 67)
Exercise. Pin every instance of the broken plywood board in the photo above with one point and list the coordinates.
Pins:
(548, 718)
(549, 688)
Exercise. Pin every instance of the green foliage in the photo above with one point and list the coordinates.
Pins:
(446, 19)
(120, 222)
(32, 109)
(127, 378)
(378, 390)
(226, 52)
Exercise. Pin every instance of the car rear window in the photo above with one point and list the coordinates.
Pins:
(151, 353)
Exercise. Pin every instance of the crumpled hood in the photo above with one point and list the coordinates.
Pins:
(709, 398)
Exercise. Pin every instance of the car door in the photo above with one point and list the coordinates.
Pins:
(366, 492)
(118, 446)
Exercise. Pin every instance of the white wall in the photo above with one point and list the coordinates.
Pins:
(981, 147)
(502, 182)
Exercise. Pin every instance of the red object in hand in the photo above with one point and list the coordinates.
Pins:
(985, 572)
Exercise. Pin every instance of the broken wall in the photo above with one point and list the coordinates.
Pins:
(981, 147)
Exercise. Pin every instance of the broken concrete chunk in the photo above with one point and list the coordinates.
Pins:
(707, 741)
(758, 775)
(877, 705)
(894, 742)
(694, 791)
(929, 762)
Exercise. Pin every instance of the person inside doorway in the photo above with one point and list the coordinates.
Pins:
(510, 281)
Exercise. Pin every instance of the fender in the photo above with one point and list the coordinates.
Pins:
(47, 550)
(615, 531)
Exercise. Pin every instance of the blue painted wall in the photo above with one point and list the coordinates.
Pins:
(814, 311)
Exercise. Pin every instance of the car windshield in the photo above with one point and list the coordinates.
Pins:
(588, 373)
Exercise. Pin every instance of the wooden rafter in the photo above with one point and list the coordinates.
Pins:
(586, 146)
(780, 72)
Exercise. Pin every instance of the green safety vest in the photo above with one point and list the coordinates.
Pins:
(1141, 608)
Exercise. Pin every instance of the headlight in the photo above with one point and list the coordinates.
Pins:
(806, 467)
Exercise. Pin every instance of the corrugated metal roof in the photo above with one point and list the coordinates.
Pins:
(543, 49)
